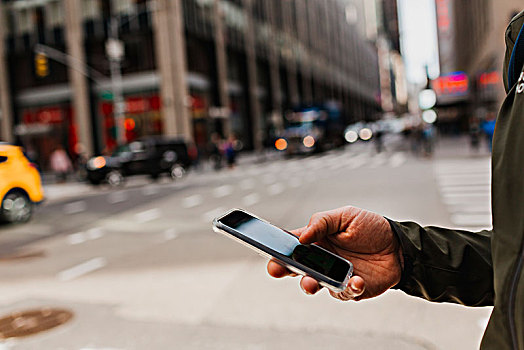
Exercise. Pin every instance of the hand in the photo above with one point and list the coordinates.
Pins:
(360, 236)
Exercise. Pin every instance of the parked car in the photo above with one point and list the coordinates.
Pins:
(151, 156)
(20, 185)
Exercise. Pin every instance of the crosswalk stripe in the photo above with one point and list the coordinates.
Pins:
(251, 199)
(471, 219)
(465, 189)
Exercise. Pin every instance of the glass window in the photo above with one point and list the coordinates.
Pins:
(23, 21)
(54, 15)
(91, 10)
(124, 7)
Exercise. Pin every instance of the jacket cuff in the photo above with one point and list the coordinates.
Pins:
(407, 254)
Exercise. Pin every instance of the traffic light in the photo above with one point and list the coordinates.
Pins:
(41, 65)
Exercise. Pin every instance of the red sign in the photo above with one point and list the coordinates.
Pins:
(443, 15)
(455, 84)
(48, 115)
(491, 78)
(155, 103)
(136, 105)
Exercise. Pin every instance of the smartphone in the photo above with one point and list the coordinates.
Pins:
(330, 270)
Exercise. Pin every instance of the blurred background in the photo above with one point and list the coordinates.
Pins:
(139, 121)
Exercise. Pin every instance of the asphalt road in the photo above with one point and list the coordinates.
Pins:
(140, 267)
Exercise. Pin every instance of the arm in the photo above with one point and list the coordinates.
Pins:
(445, 265)
(433, 263)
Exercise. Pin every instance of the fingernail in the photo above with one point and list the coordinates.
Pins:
(305, 291)
(354, 287)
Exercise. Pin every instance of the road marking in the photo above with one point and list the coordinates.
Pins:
(275, 189)
(94, 233)
(247, 184)
(461, 168)
(251, 199)
(397, 160)
(192, 201)
(82, 269)
(222, 191)
(378, 160)
(210, 215)
(75, 207)
(465, 176)
(148, 215)
(471, 208)
(468, 195)
(466, 200)
(446, 182)
(466, 189)
(170, 234)
(117, 197)
(471, 219)
(76, 238)
(82, 237)
(150, 190)
(357, 163)
(269, 179)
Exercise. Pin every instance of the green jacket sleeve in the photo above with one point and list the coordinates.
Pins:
(445, 265)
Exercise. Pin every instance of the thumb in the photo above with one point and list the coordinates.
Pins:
(321, 225)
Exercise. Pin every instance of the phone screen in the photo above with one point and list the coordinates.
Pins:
(288, 245)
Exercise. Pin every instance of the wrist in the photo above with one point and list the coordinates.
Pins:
(404, 261)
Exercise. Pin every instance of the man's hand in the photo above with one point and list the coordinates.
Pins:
(360, 236)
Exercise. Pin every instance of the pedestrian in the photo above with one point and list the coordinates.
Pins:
(60, 163)
(488, 126)
(474, 134)
(437, 264)
(379, 142)
(230, 151)
(428, 139)
(215, 151)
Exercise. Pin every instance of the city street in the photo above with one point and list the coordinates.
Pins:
(140, 268)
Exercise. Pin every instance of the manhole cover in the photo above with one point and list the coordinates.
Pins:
(24, 323)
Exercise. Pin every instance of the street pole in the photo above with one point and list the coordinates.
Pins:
(115, 53)
(6, 127)
(75, 49)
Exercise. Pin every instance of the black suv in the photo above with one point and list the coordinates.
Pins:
(151, 156)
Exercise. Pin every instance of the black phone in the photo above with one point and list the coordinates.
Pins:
(330, 270)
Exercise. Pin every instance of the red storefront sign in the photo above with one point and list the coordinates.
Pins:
(47, 115)
(489, 78)
(134, 105)
(137, 105)
(454, 84)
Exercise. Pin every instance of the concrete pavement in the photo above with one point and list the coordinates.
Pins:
(161, 279)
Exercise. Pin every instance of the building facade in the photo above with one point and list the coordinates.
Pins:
(471, 53)
(89, 74)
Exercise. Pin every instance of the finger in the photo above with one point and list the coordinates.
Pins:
(309, 285)
(298, 232)
(276, 270)
(320, 225)
(354, 290)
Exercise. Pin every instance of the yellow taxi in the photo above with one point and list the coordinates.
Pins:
(20, 185)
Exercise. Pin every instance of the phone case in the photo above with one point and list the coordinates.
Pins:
(301, 270)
